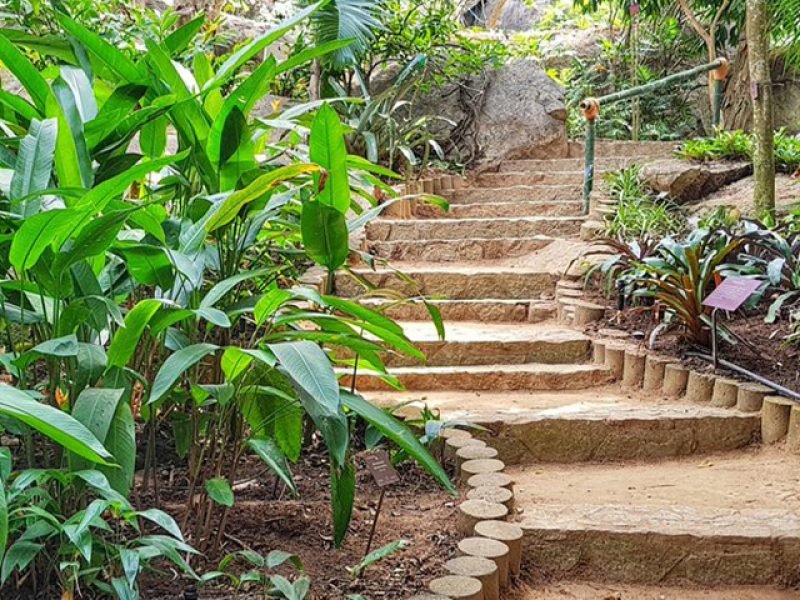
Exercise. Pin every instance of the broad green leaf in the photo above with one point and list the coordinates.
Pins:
(261, 186)
(251, 49)
(270, 302)
(116, 61)
(95, 408)
(221, 289)
(163, 520)
(220, 492)
(149, 265)
(25, 72)
(19, 556)
(70, 110)
(34, 165)
(46, 229)
(94, 238)
(325, 235)
(177, 41)
(398, 433)
(3, 520)
(272, 456)
(59, 347)
(153, 137)
(312, 376)
(328, 150)
(236, 360)
(343, 493)
(60, 427)
(175, 366)
(100, 195)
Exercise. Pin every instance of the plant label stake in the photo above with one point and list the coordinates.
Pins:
(729, 296)
(383, 472)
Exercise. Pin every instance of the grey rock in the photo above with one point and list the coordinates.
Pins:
(523, 114)
(686, 181)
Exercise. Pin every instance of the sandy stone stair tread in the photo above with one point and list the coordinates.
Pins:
(485, 310)
(499, 209)
(455, 281)
(476, 343)
(515, 193)
(471, 249)
(602, 164)
(729, 519)
(502, 377)
(386, 230)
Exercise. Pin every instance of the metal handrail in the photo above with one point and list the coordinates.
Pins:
(591, 110)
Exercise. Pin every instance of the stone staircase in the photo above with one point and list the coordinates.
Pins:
(620, 493)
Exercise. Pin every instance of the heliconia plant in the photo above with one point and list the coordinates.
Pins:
(152, 237)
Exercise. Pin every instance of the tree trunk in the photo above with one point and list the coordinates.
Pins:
(761, 97)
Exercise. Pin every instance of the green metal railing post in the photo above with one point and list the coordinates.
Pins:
(588, 165)
(591, 109)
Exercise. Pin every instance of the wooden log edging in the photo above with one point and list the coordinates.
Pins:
(490, 548)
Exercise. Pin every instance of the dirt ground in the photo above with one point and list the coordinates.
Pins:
(416, 509)
(740, 195)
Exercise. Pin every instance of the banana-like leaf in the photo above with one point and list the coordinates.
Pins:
(63, 429)
(327, 149)
(34, 165)
(325, 235)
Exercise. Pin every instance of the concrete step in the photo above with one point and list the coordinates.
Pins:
(487, 311)
(729, 519)
(601, 425)
(453, 281)
(516, 193)
(458, 250)
(523, 208)
(497, 378)
(476, 343)
(610, 591)
(386, 230)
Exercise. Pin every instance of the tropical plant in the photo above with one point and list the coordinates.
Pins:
(160, 283)
(738, 145)
(637, 213)
(681, 275)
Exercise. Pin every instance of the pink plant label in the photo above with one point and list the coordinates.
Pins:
(732, 293)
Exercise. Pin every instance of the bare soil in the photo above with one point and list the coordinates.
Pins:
(265, 517)
(603, 591)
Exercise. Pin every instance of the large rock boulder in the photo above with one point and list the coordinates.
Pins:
(523, 114)
(687, 181)
(508, 15)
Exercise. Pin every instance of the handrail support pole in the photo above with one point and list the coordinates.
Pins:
(591, 109)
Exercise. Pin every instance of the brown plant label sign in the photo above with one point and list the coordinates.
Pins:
(732, 293)
(380, 467)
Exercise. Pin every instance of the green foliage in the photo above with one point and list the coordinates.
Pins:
(158, 283)
(738, 145)
(638, 214)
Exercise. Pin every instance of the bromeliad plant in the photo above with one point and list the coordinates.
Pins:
(681, 276)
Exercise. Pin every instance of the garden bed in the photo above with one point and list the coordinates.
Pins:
(266, 517)
(770, 356)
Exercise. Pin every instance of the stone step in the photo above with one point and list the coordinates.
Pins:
(516, 193)
(602, 425)
(487, 311)
(476, 343)
(624, 148)
(522, 208)
(608, 591)
(529, 178)
(730, 519)
(497, 378)
(453, 281)
(457, 250)
(566, 164)
(386, 230)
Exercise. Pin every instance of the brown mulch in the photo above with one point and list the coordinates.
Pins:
(764, 351)
(267, 518)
